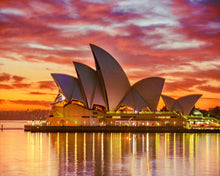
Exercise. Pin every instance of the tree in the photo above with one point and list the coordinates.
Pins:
(215, 112)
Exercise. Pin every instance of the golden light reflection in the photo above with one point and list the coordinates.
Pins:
(111, 154)
(111, 147)
(196, 144)
(147, 142)
(84, 146)
(129, 142)
(84, 152)
(191, 152)
(49, 153)
(58, 145)
(33, 151)
(67, 151)
(107, 154)
(41, 151)
(207, 150)
(75, 154)
(166, 149)
(174, 152)
(157, 145)
(134, 145)
(147, 150)
(25, 153)
(93, 146)
(184, 144)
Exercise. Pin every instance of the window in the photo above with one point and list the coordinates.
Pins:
(85, 116)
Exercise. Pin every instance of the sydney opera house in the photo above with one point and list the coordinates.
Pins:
(104, 97)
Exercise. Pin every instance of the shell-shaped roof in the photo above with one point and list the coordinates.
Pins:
(169, 101)
(114, 79)
(187, 102)
(134, 100)
(138, 100)
(150, 89)
(69, 86)
(177, 106)
(109, 86)
(90, 84)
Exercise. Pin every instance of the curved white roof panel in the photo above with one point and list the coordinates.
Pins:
(187, 102)
(169, 101)
(128, 100)
(90, 84)
(115, 81)
(177, 106)
(138, 100)
(150, 89)
(134, 100)
(69, 86)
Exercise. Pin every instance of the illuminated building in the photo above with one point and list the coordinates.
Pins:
(104, 96)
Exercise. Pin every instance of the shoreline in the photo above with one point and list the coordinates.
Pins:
(116, 129)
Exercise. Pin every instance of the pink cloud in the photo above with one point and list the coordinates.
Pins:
(57, 32)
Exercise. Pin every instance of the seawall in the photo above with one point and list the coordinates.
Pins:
(116, 129)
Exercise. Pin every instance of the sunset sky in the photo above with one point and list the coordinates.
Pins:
(178, 40)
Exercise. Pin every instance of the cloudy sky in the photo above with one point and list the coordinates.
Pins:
(175, 39)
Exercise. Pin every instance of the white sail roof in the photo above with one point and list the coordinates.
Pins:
(185, 104)
(69, 86)
(133, 99)
(108, 86)
(113, 78)
(90, 84)
(169, 101)
(150, 89)
(188, 102)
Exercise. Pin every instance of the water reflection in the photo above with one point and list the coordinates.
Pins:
(137, 154)
(109, 154)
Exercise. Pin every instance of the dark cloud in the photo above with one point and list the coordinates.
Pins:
(18, 78)
(5, 86)
(8, 77)
(4, 77)
(38, 93)
(42, 93)
(31, 102)
(21, 85)
(209, 88)
(47, 85)
(15, 86)
(185, 84)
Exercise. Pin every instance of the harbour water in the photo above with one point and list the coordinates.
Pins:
(25, 153)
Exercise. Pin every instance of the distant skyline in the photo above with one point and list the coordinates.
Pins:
(174, 39)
